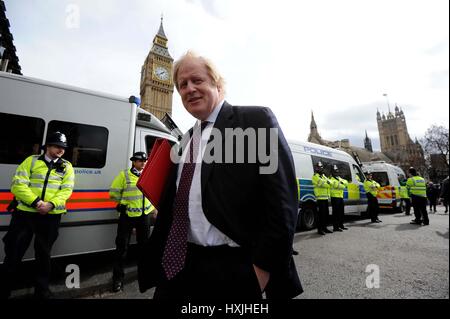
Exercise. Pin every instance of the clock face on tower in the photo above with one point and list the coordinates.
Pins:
(161, 73)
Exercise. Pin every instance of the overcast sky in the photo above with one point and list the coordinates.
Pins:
(334, 57)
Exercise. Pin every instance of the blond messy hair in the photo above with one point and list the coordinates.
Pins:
(211, 69)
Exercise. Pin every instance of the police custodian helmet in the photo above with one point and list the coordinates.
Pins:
(57, 139)
(139, 156)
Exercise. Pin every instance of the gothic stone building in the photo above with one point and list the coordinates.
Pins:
(9, 62)
(365, 154)
(396, 145)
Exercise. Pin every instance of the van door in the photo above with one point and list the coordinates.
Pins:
(358, 180)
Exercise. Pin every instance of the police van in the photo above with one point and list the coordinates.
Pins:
(102, 130)
(389, 177)
(306, 155)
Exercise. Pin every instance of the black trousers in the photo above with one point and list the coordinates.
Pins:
(419, 204)
(322, 216)
(213, 273)
(337, 205)
(22, 227)
(407, 203)
(432, 201)
(124, 229)
(372, 207)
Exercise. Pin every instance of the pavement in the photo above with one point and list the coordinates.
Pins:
(413, 263)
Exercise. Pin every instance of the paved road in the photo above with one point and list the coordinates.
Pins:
(413, 262)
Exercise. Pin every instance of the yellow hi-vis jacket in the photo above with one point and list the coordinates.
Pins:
(337, 187)
(416, 186)
(371, 186)
(321, 186)
(403, 192)
(34, 181)
(124, 191)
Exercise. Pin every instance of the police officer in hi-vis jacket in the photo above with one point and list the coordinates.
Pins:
(134, 209)
(41, 186)
(337, 187)
(322, 192)
(371, 187)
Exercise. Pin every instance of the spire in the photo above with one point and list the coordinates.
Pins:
(368, 143)
(160, 43)
(313, 124)
(161, 29)
(314, 135)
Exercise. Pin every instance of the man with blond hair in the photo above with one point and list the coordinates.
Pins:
(224, 230)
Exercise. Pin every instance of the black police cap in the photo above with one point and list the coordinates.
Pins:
(139, 156)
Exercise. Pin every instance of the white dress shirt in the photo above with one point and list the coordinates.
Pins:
(201, 231)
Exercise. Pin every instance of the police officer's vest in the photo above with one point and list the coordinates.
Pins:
(404, 192)
(34, 180)
(417, 186)
(337, 187)
(321, 186)
(124, 191)
(371, 187)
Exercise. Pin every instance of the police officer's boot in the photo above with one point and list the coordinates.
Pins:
(117, 285)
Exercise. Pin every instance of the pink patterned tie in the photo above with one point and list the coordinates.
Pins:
(176, 246)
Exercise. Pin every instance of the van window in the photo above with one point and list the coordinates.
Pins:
(381, 178)
(302, 163)
(20, 137)
(359, 173)
(87, 143)
(344, 167)
(149, 141)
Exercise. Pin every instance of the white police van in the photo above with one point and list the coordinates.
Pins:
(306, 155)
(389, 177)
(102, 130)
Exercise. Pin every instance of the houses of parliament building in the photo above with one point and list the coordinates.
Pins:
(397, 147)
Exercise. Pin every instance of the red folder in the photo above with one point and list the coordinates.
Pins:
(155, 173)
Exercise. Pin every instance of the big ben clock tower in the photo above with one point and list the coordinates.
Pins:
(156, 77)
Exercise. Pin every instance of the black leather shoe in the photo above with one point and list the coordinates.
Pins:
(337, 229)
(343, 227)
(425, 223)
(416, 222)
(321, 232)
(328, 231)
(378, 221)
(294, 252)
(117, 286)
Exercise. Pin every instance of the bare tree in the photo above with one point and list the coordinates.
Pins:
(436, 148)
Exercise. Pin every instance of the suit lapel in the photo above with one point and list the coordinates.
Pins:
(224, 120)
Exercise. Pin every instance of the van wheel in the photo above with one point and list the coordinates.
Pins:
(307, 218)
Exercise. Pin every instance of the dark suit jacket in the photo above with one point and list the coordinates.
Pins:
(257, 211)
